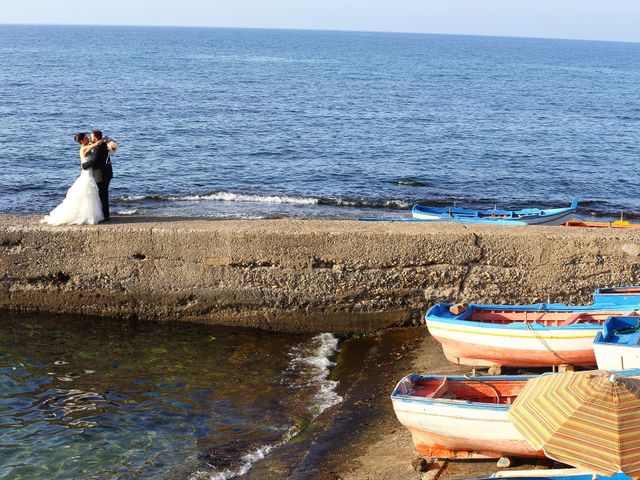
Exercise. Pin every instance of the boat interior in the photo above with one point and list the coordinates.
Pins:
(547, 318)
(621, 331)
(470, 389)
(620, 291)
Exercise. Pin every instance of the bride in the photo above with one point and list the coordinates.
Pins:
(82, 203)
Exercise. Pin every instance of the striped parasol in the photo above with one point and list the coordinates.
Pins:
(589, 420)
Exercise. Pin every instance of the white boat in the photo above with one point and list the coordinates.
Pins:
(461, 417)
(540, 335)
(617, 345)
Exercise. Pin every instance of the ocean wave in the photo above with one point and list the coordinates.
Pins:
(223, 197)
(246, 462)
(392, 204)
(308, 369)
(131, 211)
(410, 182)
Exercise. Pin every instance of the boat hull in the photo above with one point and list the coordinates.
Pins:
(616, 357)
(540, 335)
(551, 220)
(531, 216)
(484, 346)
(617, 346)
(460, 429)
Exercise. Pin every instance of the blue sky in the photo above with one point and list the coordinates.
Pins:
(583, 19)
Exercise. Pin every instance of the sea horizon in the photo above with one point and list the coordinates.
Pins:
(329, 30)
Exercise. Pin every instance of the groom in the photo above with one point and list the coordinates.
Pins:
(102, 171)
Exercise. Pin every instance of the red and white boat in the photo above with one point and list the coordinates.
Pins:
(461, 417)
(541, 335)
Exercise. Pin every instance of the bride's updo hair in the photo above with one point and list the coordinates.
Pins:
(79, 137)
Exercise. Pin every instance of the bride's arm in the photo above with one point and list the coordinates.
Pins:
(90, 146)
(86, 149)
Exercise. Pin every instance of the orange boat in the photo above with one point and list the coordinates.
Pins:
(622, 223)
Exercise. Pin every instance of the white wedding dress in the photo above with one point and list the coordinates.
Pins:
(81, 205)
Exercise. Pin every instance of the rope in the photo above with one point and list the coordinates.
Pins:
(543, 341)
(627, 330)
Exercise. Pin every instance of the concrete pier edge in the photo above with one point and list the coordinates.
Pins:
(300, 275)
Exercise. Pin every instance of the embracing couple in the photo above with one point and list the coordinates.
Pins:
(87, 201)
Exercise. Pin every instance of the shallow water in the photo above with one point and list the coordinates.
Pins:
(90, 398)
(262, 123)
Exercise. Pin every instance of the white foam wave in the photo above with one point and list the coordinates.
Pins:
(247, 461)
(311, 362)
(237, 197)
(393, 203)
(133, 198)
(316, 370)
(132, 211)
(225, 197)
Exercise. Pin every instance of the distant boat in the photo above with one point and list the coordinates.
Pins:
(529, 216)
(614, 224)
(485, 221)
(622, 223)
(461, 417)
(539, 335)
(617, 345)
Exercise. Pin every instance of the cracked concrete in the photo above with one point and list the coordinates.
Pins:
(300, 275)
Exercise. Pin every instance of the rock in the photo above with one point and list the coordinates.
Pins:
(420, 464)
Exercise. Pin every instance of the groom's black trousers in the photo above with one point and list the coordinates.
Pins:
(103, 191)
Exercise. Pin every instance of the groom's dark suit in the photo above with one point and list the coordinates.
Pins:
(103, 173)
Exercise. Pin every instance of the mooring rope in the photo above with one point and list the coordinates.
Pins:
(542, 340)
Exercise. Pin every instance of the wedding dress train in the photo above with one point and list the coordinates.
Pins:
(81, 205)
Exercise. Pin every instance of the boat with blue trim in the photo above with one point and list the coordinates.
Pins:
(539, 335)
(617, 345)
(617, 295)
(528, 216)
(460, 416)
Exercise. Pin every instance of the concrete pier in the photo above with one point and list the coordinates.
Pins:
(300, 275)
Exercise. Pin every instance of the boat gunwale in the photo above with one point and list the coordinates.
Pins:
(432, 318)
(414, 377)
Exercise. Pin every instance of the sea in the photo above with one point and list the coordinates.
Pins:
(89, 398)
(251, 124)
(242, 123)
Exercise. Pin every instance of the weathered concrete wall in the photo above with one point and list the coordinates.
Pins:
(300, 275)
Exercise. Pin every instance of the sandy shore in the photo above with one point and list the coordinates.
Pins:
(361, 438)
(384, 450)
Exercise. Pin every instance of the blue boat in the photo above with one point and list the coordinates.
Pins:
(528, 216)
(539, 335)
(617, 345)
(617, 295)
(485, 221)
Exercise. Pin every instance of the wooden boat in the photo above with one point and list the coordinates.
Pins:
(485, 221)
(539, 335)
(622, 223)
(617, 296)
(530, 216)
(613, 224)
(461, 417)
(617, 345)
